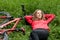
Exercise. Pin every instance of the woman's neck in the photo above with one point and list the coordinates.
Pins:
(35, 19)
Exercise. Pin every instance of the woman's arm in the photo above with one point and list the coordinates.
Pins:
(28, 19)
(49, 17)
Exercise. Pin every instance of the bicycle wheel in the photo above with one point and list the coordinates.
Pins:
(4, 20)
(4, 36)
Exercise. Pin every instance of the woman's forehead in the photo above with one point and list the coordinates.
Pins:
(39, 11)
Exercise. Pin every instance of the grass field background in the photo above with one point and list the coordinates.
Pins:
(48, 6)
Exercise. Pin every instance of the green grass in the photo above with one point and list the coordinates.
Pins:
(48, 6)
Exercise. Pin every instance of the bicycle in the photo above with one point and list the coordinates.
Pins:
(8, 20)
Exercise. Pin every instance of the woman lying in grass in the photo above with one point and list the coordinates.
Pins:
(39, 23)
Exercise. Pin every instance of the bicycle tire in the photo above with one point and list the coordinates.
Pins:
(6, 14)
(4, 36)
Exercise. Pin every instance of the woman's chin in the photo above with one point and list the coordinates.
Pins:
(39, 18)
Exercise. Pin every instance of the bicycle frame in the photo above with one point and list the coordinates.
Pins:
(16, 20)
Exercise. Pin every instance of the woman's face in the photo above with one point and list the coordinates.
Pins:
(39, 14)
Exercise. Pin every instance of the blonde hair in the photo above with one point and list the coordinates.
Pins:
(34, 15)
